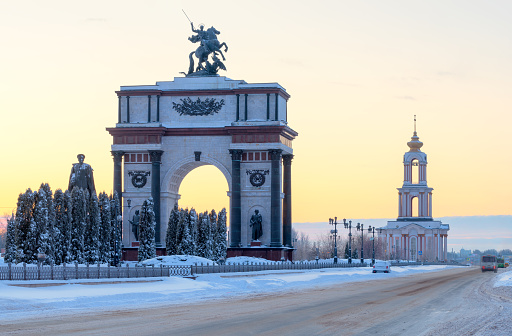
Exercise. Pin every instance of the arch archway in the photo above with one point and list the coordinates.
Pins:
(167, 130)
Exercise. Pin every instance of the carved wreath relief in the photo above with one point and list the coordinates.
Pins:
(139, 178)
(198, 107)
(257, 176)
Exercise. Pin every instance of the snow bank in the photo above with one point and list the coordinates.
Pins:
(504, 279)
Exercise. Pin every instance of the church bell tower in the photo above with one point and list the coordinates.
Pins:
(415, 197)
(415, 235)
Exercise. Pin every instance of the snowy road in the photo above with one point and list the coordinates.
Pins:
(457, 301)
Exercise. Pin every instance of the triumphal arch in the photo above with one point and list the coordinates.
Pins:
(166, 130)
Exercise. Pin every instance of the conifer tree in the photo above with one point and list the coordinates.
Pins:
(116, 233)
(105, 230)
(50, 229)
(203, 236)
(10, 241)
(347, 252)
(91, 239)
(213, 229)
(192, 228)
(23, 221)
(180, 234)
(187, 243)
(62, 226)
(147, 249)
(355, 255)
(220, 240)
(30, 251)
(171, 245)
(78, 223)
(42, 230)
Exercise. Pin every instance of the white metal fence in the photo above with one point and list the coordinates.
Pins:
(252, 267)
(75, 271)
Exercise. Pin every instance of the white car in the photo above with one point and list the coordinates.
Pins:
(382, 266)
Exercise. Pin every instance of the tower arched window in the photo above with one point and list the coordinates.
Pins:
(415, 171)
(415, 207)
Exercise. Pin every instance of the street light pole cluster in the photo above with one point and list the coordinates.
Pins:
(372, 231)
(360, 228)
(348, 225)
(335, 234)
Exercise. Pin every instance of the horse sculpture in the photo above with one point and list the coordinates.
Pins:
(209, 44)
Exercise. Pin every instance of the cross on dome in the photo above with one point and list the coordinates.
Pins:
(415, 144)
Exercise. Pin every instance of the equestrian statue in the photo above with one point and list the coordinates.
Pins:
(209, 45)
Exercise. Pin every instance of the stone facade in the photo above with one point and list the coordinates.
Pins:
(166, 130)
(415, 235)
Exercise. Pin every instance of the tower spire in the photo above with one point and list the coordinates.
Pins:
(415, 143)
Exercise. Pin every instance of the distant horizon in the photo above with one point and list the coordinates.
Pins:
(466, 232)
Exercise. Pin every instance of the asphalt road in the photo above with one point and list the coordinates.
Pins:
(460, 301)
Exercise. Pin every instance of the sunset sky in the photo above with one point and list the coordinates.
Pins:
(357, 73)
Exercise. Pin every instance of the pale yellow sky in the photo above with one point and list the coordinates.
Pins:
(357, 72)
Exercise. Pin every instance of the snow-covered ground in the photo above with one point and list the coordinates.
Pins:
(504, 279)
(26, 298)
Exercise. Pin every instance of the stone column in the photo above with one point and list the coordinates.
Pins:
(127, 109)
(156, 161)
(118, 174)
(400, 205)
(235, 229)
(287, 204)
(445, 247)
(275, 198)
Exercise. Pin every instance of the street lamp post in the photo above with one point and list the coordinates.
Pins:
(372, 231)
(348, 225)
(335, 234)
(360, 228)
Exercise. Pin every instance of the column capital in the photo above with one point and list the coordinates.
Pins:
(118, 155)
(287, 159)
(236, 154)
(275, 154)
(155, 155)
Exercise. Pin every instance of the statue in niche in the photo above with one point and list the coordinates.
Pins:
(257, 228)
(81, 176)
(135, 224)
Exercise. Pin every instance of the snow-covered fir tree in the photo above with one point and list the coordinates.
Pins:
(78, 223)
(187, 243)
(116, 229)
(147, 247)
(23, 220)
(171, 245)
(30, 251)
(220, 237)
(92, 230)
(355, 254)
(213, 229)
(203, 236)
(180, 232)
(192, 229)
(105, 231)
(10, 241)
(62, 226)
(50, 254)
(43, 229)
